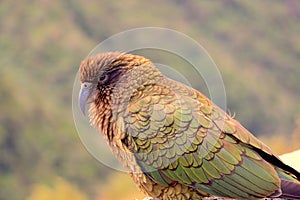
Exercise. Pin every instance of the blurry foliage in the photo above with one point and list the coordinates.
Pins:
(255, 44)
(119, 186)
(59, 190)
(284, 143)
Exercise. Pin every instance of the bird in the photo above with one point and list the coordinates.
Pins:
(174, 141)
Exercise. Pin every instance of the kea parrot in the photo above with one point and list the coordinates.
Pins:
(174, 141)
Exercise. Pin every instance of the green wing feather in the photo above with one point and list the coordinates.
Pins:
(180, 136)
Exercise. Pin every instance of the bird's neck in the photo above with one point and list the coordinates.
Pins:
(131, 84)
(111, 104)
(100, 115)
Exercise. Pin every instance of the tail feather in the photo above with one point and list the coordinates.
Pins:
(290, 189)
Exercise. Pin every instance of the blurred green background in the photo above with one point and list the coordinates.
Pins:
(255, 44)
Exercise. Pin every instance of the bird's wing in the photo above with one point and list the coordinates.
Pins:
(182, 137)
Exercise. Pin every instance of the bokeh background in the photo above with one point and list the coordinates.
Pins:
(255, 44)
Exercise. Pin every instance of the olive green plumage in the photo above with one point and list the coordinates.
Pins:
(175, 142)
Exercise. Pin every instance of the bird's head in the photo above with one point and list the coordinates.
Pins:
(100, 74)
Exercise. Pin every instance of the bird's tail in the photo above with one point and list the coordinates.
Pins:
(290, 184)
(290, 189)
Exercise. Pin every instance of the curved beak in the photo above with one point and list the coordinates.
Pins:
(85, 97)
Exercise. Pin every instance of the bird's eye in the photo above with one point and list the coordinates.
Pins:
(86, 85)
(102, 77)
